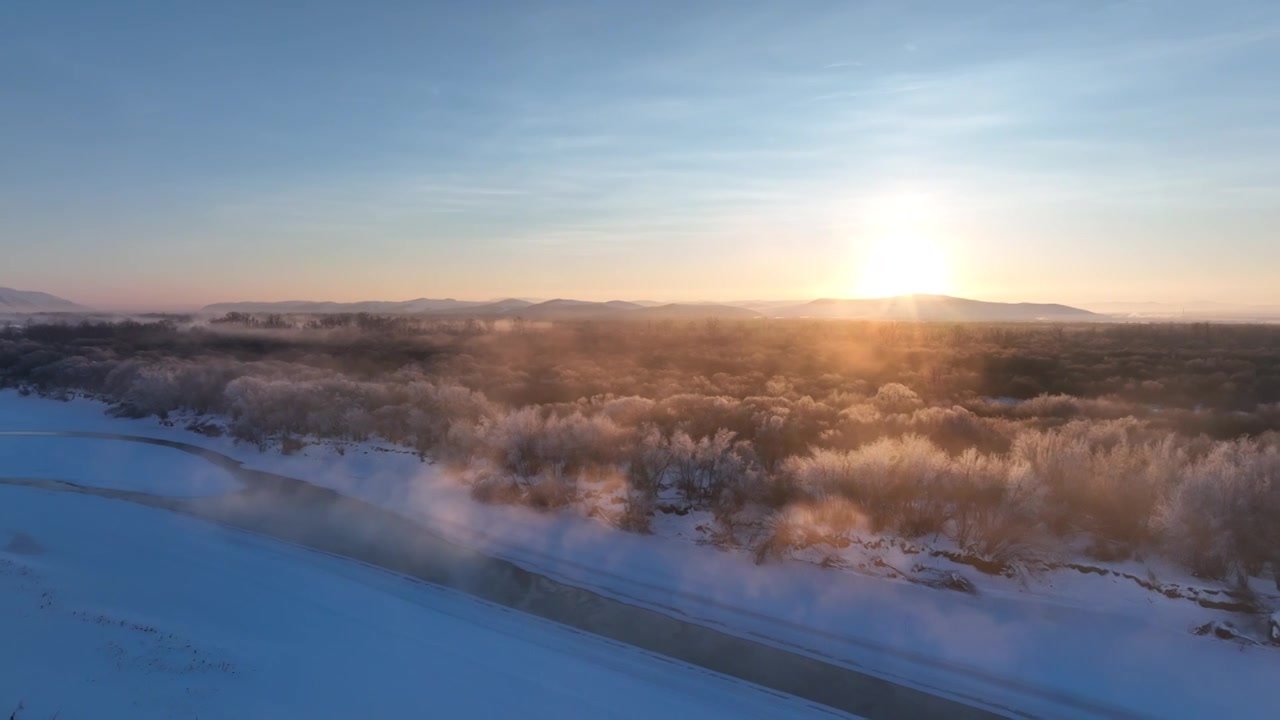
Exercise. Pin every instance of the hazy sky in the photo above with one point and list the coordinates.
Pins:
(186, 152)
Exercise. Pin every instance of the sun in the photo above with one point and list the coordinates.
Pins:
(902, 266)
(900, 256)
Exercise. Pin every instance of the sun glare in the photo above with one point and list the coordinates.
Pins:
(902, 266)
(901, 257)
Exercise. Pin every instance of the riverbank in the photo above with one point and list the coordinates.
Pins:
(1042, 655)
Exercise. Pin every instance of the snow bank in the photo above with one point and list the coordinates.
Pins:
(112, 464)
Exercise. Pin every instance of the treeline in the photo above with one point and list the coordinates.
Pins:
(1218, 367)
(1008, 440)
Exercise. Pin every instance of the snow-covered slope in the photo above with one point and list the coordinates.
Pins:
(113, 610)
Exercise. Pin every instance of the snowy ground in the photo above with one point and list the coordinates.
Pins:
(113, 610)
(1062, 644)
(111, 464)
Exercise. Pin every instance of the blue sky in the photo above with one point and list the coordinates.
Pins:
(181, 153)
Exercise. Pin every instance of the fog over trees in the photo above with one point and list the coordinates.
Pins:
(1007, 440)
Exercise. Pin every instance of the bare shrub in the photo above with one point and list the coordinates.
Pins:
(648, 459)
(1100, 478)
(637, 511)
(1221, 518)
(827, 521)
(496, 488)
(901, 483)
(526, 442)
(549, 491)
(705, 469)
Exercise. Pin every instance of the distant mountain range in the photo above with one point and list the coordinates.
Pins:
(905, 307)
(421, 305)
(558, 309)
(29, 301)
(935, 308)
(1196, 310)
(941, 308)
